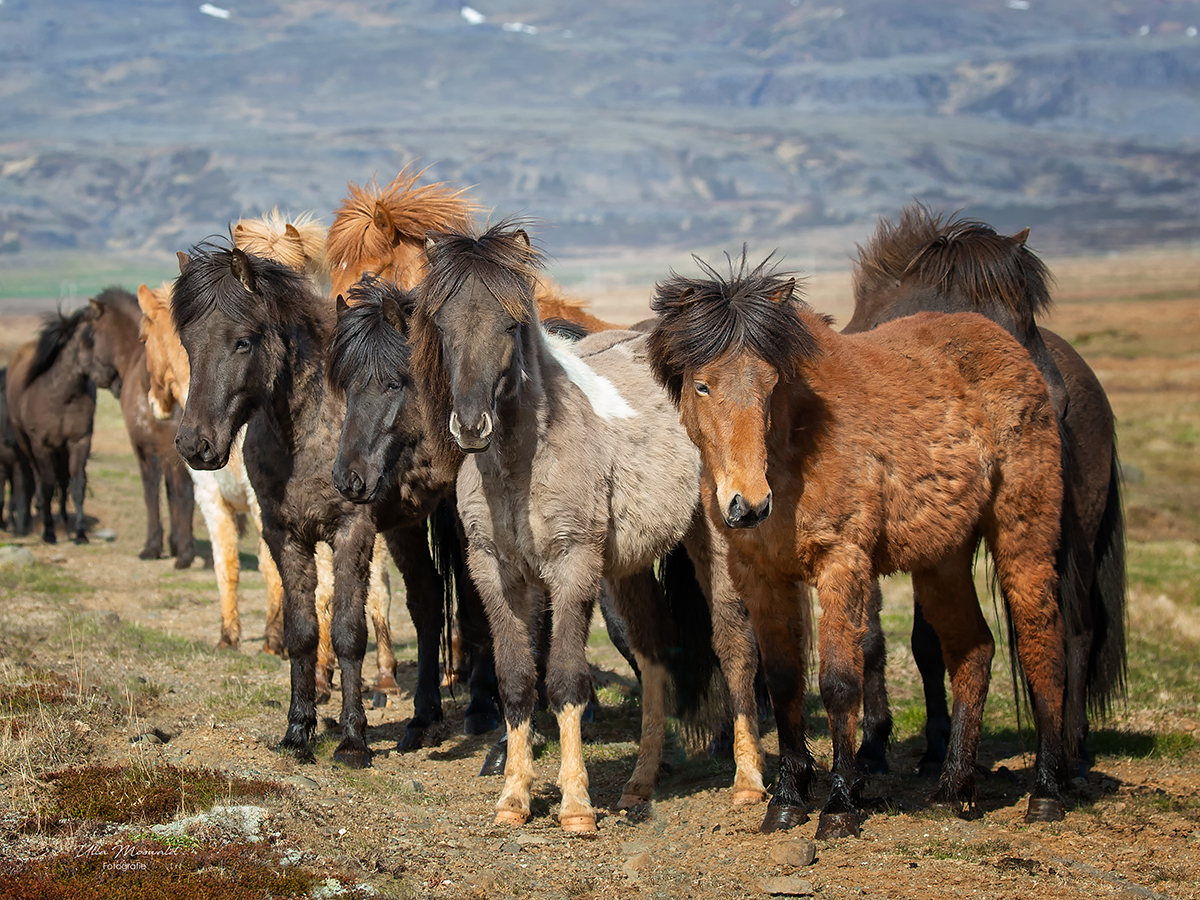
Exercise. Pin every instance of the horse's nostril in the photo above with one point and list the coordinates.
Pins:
(356, 483)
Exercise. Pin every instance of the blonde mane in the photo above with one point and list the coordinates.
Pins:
(380, 228)
(298, 242)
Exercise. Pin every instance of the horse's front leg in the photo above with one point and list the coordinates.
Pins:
(77, 455)
(781, 624)
(298, 573)
(573, 576)
(843, 587)
(348, 630)
(737, 650)
(150, 468)
(46, 483)
(426, 608)
(379, 607)
(23, 487)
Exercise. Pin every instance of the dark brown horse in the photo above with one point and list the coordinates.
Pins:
(928, 262)
(16, 475)
(576, 471)
(52, 404)
(119, 364)
(834, 459)
(256, 333)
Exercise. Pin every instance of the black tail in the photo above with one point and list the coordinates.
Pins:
(691, 663)
(1107, 664)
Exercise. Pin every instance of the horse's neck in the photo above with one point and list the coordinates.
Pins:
(128, 347)
(298, 393)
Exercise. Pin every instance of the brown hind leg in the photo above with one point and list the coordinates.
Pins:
(877, 716)
(273, 643)
(951, 606)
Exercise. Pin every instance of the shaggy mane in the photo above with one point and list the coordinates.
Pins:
(267, 236)
(413, 211)
(368, 341)
(57, 329)
(702, 319)
(958, 257)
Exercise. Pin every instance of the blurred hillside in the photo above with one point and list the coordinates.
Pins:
(139, 125)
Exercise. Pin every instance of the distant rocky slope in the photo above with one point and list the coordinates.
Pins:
(136, 125)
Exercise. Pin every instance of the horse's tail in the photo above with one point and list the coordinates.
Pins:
(700, 700)
(1107, 660)
(445, 546)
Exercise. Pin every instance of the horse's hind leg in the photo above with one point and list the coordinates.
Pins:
(379, 607)
(151, 472)
(927, 654)
(734, 643)
(323, 601)
(77, 459)
(948, 598)
(635, 599)
(877, 716)
(181, 504)
(22, 495)
(424, 596)
(273, 641)
(46, 483)
(351, 562)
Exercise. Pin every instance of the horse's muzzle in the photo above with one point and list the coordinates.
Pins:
(474, 439)
(199, 452)
(353, 486)
(740, 514)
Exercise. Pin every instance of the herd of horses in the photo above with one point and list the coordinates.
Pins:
(412, 384)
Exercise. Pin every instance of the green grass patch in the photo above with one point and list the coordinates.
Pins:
(39, 579)
(1140, 745)
(129, 794)
(1165, 567)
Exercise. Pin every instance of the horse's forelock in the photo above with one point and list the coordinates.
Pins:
(501, 258)
(702, 320)
(208, 284)
(366, 344)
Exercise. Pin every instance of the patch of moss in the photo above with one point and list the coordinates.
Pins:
(148, 870)
(125, 794)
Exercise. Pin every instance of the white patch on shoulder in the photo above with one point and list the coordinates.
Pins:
(606, 400)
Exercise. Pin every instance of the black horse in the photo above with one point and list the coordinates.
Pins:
(16, 475)
(52, 405)
(256, 333)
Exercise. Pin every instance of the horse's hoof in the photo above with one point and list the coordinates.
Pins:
(868, 764)
(149, 553)
(82, 539)
(511, 817)
(298, 753)
(386, 684)
(929, 769)
(273, 649)
(1045, 809)
(227, 643)
(49, 537)
(748, 797)
(322, 695)
(781, 817)
(353, 757)
(496, 760)
(378, 699)
(837, 825)
(632, 799)
(414, 739)
(582, 823)
(185, 561)
(480, 723)
(959, 809)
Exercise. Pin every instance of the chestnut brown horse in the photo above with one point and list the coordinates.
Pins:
(833, 459)
(929, 262)
(119, 364)
(576, 470)
(52, 405)
(296, 241)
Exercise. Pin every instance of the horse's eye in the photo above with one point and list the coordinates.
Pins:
(393, 386)
(701, 388)
(243, 345)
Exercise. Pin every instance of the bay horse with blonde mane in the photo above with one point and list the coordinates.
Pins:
(929, 262)
(576, 470)
(833, 459)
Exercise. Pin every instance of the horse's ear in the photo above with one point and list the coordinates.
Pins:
(1022, 236)
(239, 264)
(523, 237)
(146, 299)
(383, 221)
(342, 306)
(785, 292)
(291, 231)
(430, 246)
(238, 228)
(393, 316)
(97, 307)
(184, 260)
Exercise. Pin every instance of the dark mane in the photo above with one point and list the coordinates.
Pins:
(56, 333)
(370, 340)
(507, 265)
(282, 295)
(701, 319)
(961, 258)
